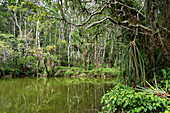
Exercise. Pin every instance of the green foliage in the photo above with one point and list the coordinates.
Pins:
(83, 75)
(132, 64)
(125, 99)
(162, 79)
(2, 36)
(77, 71)
(17, 72)
(30, 31)
(104, 72)
(95, 72)
(11, 71)
(69, 73)
(157, 89)
(73, 34)
(165, 73)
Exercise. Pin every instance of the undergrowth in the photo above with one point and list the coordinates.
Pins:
(126, 99)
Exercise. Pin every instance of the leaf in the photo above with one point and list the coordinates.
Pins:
(108, 105)
(110, 108)
(66, 4)
(159, 57)
(19, 1)
(126, 103)
(35, 10)
(150, 108)
(164, 72)
(9, 1)
(76, 37)
(145, 109)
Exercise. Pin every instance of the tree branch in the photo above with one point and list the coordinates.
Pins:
(163, 28)
(96, 22)
(142, 6)
(131, 8)
(123, 23)
(133, 30)
(89, 18)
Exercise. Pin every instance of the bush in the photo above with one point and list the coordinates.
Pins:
(83, 75)
(16, 72)
(77, 71)
(69, 73)
(125, 99)
(104, 72)
(95, 72)
(7, 70)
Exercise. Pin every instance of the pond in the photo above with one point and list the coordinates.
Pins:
(52, 95)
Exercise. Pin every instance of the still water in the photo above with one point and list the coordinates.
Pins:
(52, 95)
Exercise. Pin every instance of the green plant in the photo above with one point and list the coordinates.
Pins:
(16, 72)
(104, 72)
(69, 73)
(111, 71)
(132, 64)
(165, 72)
(125, 99)
(156, 90)
(83, 75)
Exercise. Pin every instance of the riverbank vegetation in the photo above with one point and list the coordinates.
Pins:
(124, 39)
(126, 99)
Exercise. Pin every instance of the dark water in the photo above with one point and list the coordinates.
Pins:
(54, 95)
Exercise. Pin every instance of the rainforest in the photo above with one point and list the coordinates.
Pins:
(84, 56)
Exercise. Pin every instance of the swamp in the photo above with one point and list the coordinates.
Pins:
(84, 56)
(52, 95)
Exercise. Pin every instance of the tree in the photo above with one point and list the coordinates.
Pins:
(138, 17)
(93, 34)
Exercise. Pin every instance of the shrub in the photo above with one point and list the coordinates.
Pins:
(69, 73)
(104, 71)
(111, 71)
(125, 99)
(95, 72)
(7, 70)
(83, 75)
(16, 72)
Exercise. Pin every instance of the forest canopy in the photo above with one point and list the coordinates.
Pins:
(129, 35)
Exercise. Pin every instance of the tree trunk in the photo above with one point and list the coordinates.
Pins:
(85, 58)
(50, 38)
(166, 24)
(38, 34)
(104, 51)
(14, 29)
(96, 50)
(46, 69)
(111, 54)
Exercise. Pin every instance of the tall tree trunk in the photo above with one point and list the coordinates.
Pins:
(85, 58)
(111, 54)
(38, 34)
(18, 23)
(68, 51)
(96, 52)
(104, 51)
(50, 37)
(46, 68)
(152, 20)
(14, 29)
(166, 24)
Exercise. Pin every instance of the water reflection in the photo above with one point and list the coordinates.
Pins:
(55, 95)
